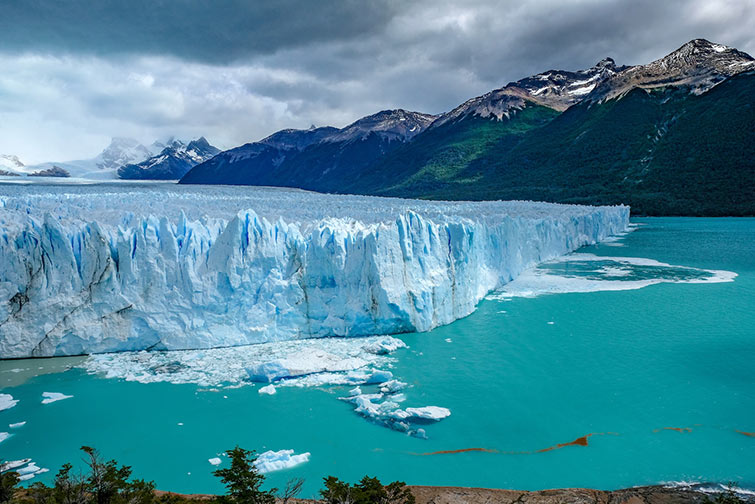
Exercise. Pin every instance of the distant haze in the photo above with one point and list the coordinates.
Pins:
(75, 73)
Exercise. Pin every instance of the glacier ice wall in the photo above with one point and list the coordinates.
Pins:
(104, 268)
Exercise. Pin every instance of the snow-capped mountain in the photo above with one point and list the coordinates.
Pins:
(172, 162)
(556, 89)
(396, 124)
(699, 64)
(10, 165)
(120, 151)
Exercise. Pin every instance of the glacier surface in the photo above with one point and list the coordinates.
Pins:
(118, 267)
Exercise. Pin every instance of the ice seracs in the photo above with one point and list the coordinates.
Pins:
(97, 269)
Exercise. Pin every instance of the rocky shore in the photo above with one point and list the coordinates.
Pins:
(463, 495)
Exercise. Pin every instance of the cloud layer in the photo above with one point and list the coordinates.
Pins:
(74, 73)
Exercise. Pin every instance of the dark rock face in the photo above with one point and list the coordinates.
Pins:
(54, 171)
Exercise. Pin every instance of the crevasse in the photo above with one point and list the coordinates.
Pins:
(73, 284)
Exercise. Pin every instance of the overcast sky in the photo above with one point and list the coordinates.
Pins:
(75, 73)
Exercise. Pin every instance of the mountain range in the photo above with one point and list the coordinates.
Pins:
(672, 137)
(124, 158)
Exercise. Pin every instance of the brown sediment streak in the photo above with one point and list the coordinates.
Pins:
(750, 434)
(677, 429)
(581, 441)
(448, 452)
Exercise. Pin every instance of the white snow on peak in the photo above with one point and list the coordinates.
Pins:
(102, 268)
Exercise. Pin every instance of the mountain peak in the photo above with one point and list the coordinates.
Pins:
(396, 124)
(699, 64)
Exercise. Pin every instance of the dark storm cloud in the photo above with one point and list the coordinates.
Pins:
(200, 30)
(237, 71)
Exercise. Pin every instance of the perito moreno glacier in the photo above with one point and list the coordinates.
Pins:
(107, 268)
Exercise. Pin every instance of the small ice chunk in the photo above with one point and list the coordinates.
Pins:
(51, 397)
(7, 401)
(392, 386)
(214, 461)
(384, 346)
(551, 323)
(4, 436)
(355, 391)
(30, 469)
(268, 389)
(277, 460)
(16, 425)
(435, 413)
(13, 464)
(378, 376)
(448, 340)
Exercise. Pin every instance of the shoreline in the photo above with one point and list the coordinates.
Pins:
(653, 494)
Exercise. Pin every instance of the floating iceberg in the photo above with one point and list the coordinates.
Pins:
(107, 268)
(383, 409)
(277, 460)
(268, 389)
(4, 436)
(51, 397)
(7, 401)
(214, 461)
(16, 425)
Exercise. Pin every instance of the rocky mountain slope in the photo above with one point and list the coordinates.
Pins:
(172, 163)
(317, 158)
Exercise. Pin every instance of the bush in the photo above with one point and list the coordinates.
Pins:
(367, 491)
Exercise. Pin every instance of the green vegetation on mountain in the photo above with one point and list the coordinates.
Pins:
(664, 152)
(441, 157)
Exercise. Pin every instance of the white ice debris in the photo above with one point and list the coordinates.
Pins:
(277, 460)
(311, 362)
(51, 397)
(214, 461)
(583, 272)
(268, 389)
(104, 268)
(7, 401)
(383, 409)
(16, 425)
(13, 464)
(4, 436)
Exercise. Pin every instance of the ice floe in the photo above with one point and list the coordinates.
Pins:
(4, 436)
(7, 401)
(214, 461)
(51, 397)
(268, 389)
(25, 468)
(383, 409)
(270, 461)
(582, 272)
(16, 425)
(302, 363)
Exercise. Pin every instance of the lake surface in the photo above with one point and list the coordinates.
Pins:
(603, 389)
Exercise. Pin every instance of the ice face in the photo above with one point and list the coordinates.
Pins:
(108, 268)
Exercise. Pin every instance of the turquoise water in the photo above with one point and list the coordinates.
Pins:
(519, 376)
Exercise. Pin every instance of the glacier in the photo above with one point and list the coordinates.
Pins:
(122, 267)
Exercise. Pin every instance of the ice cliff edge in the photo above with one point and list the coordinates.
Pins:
(82, 281)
